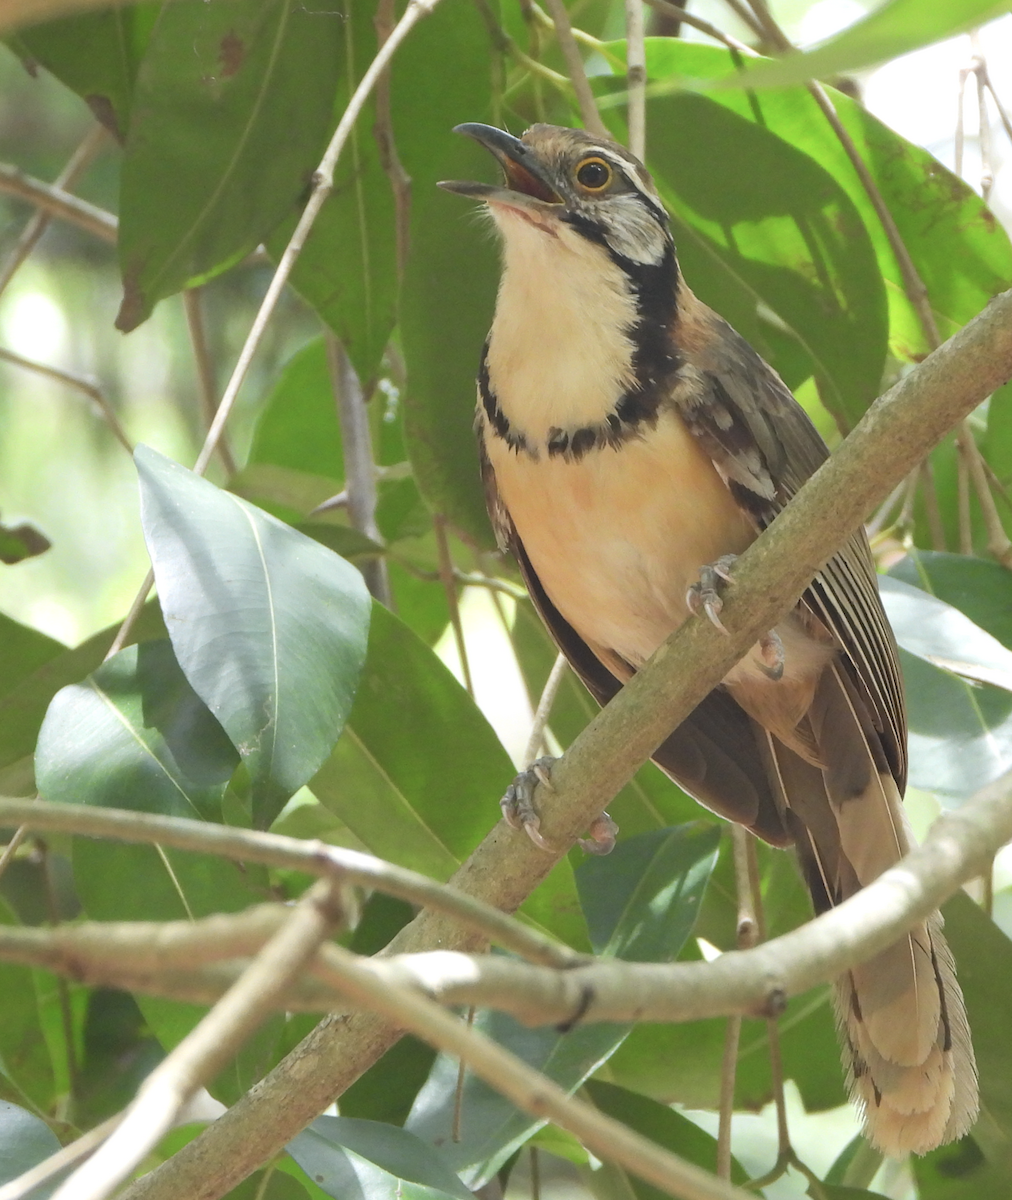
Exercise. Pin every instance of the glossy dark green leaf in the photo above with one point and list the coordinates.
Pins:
(979, 588)
(347, 269)
(40, 669)
(134, 734)
(119, 1051)
(268, 626)
(354, 1158)
(960, 732)
(418, 772)
(895, 27)
(662, 1125)
(641, 900)
(232, 107)
(492, 1129)
(940, 634)
(25, 1141)
(449, 286)
(96, 55)
(272, 1184)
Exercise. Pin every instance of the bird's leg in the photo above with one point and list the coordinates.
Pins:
(519, 812)
(704, 596)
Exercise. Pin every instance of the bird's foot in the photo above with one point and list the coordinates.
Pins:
(771, 656)
(519, 812)
(704, 596)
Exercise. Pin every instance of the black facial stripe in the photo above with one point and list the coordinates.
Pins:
(496, 416)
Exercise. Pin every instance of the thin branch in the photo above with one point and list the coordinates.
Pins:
(274, 850)
(359, 464)
(889, 441)
(58, 203)
(38, 223)
(574, 65)
(323, 185)
(206, 1049)
(963, 493)
(686, 18)
(932, 509)
(755, 981)
(544, 709)
(207, 392)
(998, 543)
(88, 387)
(636, 77)
(528, 1089)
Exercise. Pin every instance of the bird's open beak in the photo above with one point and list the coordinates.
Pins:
(526, 187)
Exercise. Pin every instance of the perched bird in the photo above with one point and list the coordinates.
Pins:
(632, 443)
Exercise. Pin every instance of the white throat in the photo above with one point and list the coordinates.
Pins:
(559, 355)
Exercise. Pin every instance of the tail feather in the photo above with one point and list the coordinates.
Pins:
(901, 1016)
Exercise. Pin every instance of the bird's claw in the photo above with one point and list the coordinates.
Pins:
(519, 812)
(771, 656)
(704, 596)
(518, 802)
(603, 833)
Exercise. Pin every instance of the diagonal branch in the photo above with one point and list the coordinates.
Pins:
(888, 442)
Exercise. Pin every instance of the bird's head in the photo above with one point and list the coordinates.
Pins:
(566, 183)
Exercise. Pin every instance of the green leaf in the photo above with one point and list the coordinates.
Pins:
(347, 269)
(119, 1052)
(25, 1141)
(268, 626)
(449, 286)
(25, 1065)
(960, 732)
(895, 27)
(24, 707)
(23, 651)
(492, 1128)
(414, 745)
(940, 634)
(980, 589)
(96, 55)
(232, 107)
(641, 900)
(298, 426)
(350, 1157)
(661, 1125)
(135, 735)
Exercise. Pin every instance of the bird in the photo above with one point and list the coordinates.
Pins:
(632, 443)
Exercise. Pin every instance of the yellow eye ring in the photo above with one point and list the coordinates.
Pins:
(594, 174)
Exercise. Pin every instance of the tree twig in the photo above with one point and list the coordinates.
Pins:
(49, 198)
(207, 392)
(38, 223)
(79, 384)
(636, 77)
(207, 1048)
(359, 464)
(544, 709)
(574, 65)
(274, 850)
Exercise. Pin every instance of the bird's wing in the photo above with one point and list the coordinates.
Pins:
(765, 447)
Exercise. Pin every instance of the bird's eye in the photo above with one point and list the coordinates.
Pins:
(594, 174)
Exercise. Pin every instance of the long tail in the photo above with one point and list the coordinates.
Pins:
(901, 1017)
